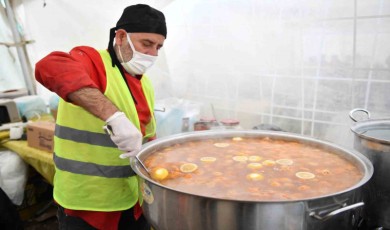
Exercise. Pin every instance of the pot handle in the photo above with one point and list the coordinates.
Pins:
(335, 212)
(358, 110)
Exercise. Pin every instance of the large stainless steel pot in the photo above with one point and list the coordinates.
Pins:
(169, 209)
(372, 139)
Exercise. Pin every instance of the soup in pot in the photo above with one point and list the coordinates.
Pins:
(256, 169)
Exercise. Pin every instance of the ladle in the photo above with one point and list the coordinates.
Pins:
(142, 164)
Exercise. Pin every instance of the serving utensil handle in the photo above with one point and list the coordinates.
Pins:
(142, 164)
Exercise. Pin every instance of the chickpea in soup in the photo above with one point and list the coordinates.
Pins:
(258, 169)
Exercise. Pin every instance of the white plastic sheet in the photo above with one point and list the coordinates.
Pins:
(13, 176)
(178, 116)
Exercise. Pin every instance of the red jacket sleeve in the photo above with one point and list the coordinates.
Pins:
(64, 73)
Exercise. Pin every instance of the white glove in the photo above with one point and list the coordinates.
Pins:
(124, 134)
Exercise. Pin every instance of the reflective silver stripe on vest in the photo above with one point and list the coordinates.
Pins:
(82, 136)
(92, 169)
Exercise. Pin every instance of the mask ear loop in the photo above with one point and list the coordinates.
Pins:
(120, 54)
(119, 50)
(130, 43)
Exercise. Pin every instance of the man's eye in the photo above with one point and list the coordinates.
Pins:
(147, 44)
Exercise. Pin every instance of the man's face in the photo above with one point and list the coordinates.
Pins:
(146, 43)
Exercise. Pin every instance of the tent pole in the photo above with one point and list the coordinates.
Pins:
(21, 49)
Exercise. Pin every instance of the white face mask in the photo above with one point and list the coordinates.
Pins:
(139, 63)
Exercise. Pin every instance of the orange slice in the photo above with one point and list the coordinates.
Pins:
(221, 145)
(159, 173)
(255, 165)
(240, 158)
(188, 167)
(208, 159)
(255, 176)
(269, 163)
(305, 175)
(255, 158)
(284, 161)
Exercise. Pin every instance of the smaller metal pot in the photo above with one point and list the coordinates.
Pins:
(372, 139)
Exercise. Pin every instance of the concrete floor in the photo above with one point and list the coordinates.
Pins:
(48, 224)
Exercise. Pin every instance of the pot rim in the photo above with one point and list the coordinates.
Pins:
(365, 163)
(371, 124)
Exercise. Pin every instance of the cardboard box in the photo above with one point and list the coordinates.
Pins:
(54, 113)
(40, 135)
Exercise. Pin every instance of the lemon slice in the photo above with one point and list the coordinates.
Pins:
(188, 167)
(269, 163)
(255, 158)
(237, 139)
(284, 162)
(221, 145)
(240, 158)
(255, 165)
(305, 175)
(159, 173)
(255, 176)
(208, 159)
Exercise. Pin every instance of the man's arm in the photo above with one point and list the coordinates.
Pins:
(75, 78)
(92, 100)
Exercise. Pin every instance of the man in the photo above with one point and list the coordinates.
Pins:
(94, 185)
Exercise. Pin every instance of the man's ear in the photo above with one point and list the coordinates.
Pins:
(120, 36)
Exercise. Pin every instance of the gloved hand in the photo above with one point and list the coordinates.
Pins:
(124, 134)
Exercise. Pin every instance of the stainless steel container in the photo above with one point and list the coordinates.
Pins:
(372, 139)
(168, 209)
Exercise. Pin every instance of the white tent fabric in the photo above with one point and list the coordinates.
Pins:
(10, 72)
(301, 65)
